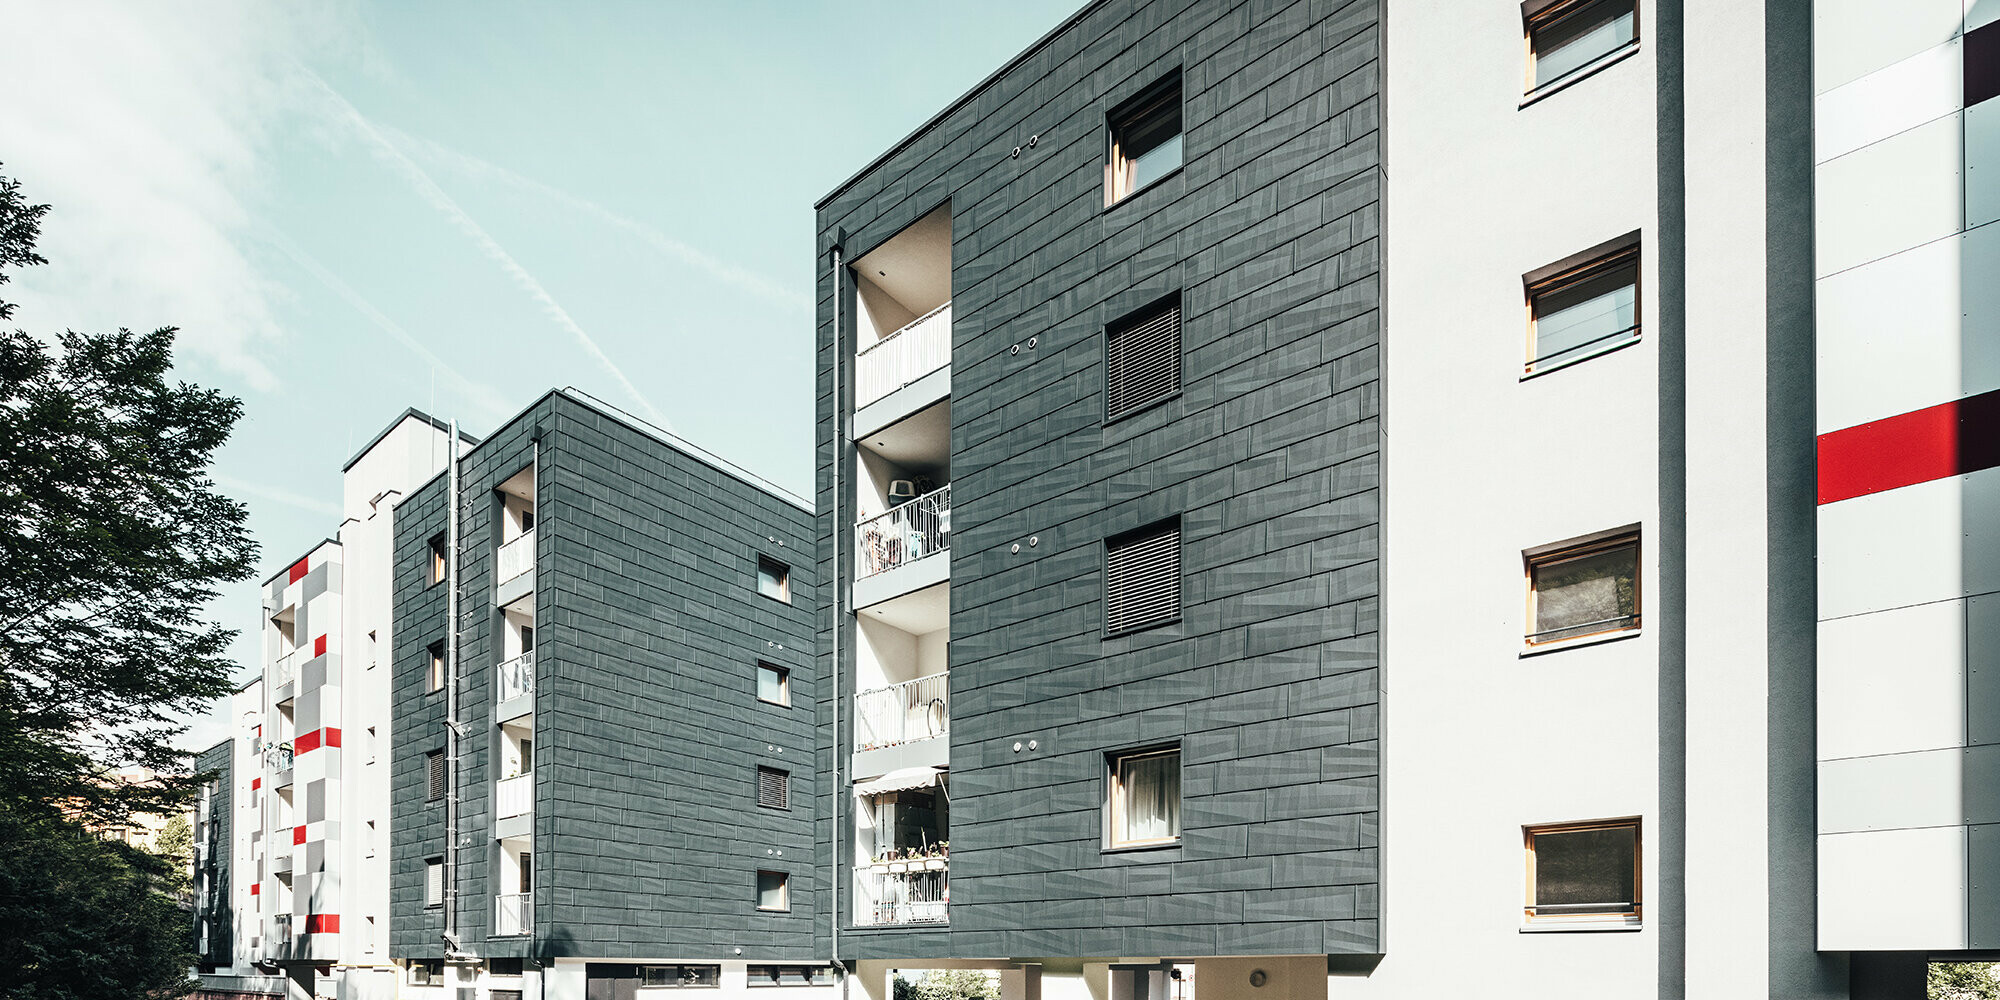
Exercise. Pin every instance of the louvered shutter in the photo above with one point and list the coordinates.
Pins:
(773, 788)
(435, 763)
(1142, 579)
(433, 882)
(1142, 361)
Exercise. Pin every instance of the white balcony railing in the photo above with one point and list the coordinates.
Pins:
(514, 796)
(517, 676)
(903, 357)
(513, 914)
(517, 557)
(284, 670)
(905, 533)
(903, 713)
(916, 898)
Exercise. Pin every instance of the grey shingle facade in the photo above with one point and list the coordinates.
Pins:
(648, 732)
(1270, 456)
(213, 906)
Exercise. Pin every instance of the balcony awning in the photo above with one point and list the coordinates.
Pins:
(901, 780)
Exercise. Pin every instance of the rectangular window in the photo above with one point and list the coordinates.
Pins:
(774, 579)
(1569, 36)
(774, 684)
(774, 788)
(1144, 804)
(772, 893)
(1142, 359)
(1584, 589)
(682, 976)
(1142, 578)
(433, 881)
(790, 975)
(437, 558)
(434, 772)
(504, 966)
(1583, 873)
(1583, 310)
(434, 669)
(1145, 140)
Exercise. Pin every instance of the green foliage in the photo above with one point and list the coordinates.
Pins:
(952, 984)
(83, 918)
(113, 541)
(175, 845)
(1961, 981)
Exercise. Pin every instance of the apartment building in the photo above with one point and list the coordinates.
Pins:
(227, 925)
(1307, 489)
(603, 779)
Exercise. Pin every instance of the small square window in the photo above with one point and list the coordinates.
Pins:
(1142, 359)
(1142, 578)
(774, 579)
(433, 881)
(772, 891)
(434, 768)
(774, 788)
(1143, 807)
(1583, 590)
(1583, 874)
(437, 560)
(774, 684)
(1145, 140)
(1585, 309)
(434, 669)
(1570, 36)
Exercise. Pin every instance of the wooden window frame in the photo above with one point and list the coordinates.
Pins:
(1534, 561)
(437, 556)
(784, 890)
(784, 683)
(1168, 90)
(784, 575)
(1594, 263)
(434, 668)
(1540, 17)
(1629, 919)
(1114, 796)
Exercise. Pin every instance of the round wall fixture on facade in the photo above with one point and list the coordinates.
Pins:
(1032, 140)
(1017, 746)
(1034, 745)
(1257, 978)
(1016, 549)
(1034, 540)
(1032, 341)
(1016, 349)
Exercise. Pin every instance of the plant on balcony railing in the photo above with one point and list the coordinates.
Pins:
(905, 533)
(933, 857)
(918, 349)
(278, 756)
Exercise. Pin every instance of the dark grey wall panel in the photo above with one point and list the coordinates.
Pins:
(215, 905)
(647, 837)
(1270, 456)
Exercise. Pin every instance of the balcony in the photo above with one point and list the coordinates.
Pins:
(916, 894)
(904, 534)
(514, 797)
(283, 672)
(913, 710)
(903, 357)
(517, 677)
(513, 914)
(516, 557)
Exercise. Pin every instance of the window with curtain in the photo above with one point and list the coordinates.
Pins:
(1584, 590)
(772, 891)
(774, 684)
(1145, 140)
(1145, 800)
(774, 580)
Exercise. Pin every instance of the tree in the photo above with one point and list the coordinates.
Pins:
(114, 539)
(1961, 981)
(957, 984)
(175, 845)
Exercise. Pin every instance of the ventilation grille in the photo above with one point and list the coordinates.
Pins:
(1142, 360)
(774, 788)
(434, 763)
(1142, 580)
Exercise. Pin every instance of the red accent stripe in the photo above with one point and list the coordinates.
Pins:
(331, 736)
(298, 571)
(1936, 442)
(256, 889)
(298, 835)
(256, 783)
(322, 923)
(319, 646)
(306, 742)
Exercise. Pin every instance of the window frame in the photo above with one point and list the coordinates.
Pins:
(1536, 18)
(1114, 790)
(438, 766)
(434, 863)
(434, 668)
(437, 562)
(784, 683)
(1145, 532)
(772, 975)
(1534, 560)
(1132, 112)
(784, 576)
(1131, 320)
(784, 890)
(1591, 264)
(1630, 919)
(784, 779)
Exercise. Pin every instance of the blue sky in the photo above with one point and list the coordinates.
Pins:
(350, 208)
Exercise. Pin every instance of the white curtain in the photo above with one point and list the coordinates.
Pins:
(1153, 797)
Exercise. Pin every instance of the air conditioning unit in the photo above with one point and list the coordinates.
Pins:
(901, 490)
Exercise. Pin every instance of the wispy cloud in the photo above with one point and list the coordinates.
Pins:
(491, 403)
(426, 188)
(708, 264)
(241, 487)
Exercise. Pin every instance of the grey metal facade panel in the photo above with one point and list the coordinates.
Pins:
(647, 726)
(1270, 456)
(215, 907)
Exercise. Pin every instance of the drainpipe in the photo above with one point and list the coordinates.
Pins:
(840, 536)
(451, 705)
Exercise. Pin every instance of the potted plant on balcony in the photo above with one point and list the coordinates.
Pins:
(936, 857)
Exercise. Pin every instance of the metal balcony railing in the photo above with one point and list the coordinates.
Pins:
(913, 710)
(916, 350)
(914, 898)
(517, 676)
(285, 669)
(517, 557)
(905, 533)
(514, 796)
(513, 914)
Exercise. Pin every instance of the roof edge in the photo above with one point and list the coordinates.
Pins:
(407, 413)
